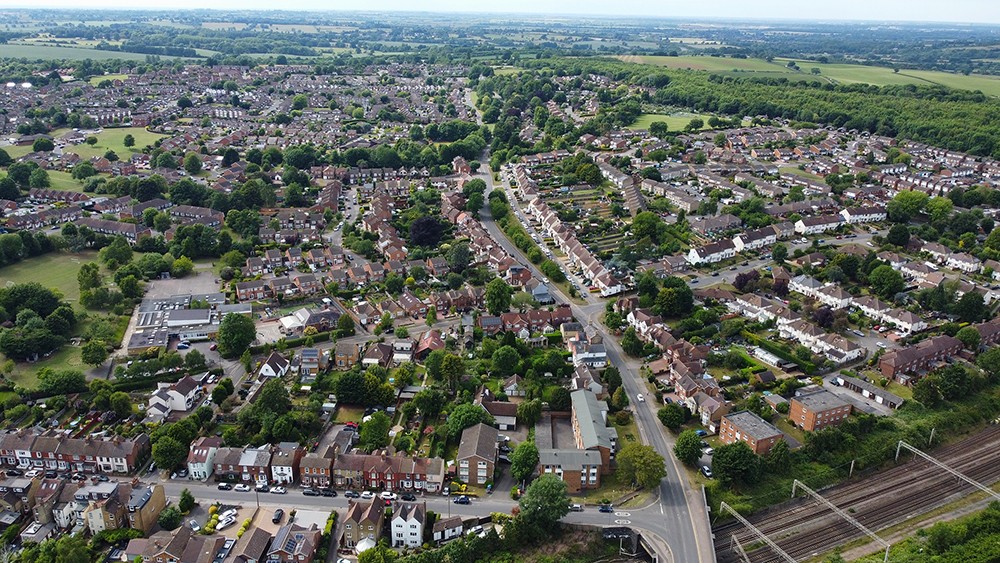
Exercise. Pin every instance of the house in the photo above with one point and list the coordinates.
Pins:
(389, 473)
(745, 426)
(919, 356)
(164, 547)
(579, 469)
(174, 397)
(587, 378)
(363, 521)
(447, 529)
(817, 224)
(201, 457)
(285, 461)
(505, 414)
(145, 502)
(710, 253)
(293, 544)
(408, 525)
(316, 469)
(275, 365)
(590, 426)
(251, 547)
(854, 215)
(477, 454)
(346, 354)
(378, 354)
(513, 386)
(817, 410)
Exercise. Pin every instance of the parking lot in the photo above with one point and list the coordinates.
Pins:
(198, 282)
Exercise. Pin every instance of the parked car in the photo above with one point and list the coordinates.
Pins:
(278, 515)
(262, 488)
(409, 497)
(387, 495)
(328, 492)
(243, 488)
(194, 525)
(462, 500)
(13, 473)
(225, 523)
(310, 492)
(351, 494)
(474, 530)
(278, 491)
(576, 508)
(367, 495)
(701, 433)
(708, 451)
(226, 487)
(706, 471)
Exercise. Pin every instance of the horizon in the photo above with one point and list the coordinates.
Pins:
(964, 12)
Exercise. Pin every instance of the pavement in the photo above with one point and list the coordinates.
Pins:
(680, 517)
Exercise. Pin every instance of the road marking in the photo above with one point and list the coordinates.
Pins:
(623, 514)
(661, 508)
(623, 521)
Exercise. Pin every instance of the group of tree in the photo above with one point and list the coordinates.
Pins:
(42, 323)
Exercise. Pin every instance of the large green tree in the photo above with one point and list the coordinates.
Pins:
(523, 460)
(375, 432)
(498, 296)
(236, 332)
(688, 448)
(886, 282)
(640, 464)
(544, 503)
(736, 463)
(465, 415)
(169, 453)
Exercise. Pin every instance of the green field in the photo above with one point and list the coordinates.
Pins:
(95, 80)
(114, 139)
(46, 53)
(55, 270)
(676, 121)
(834, 73)
(60, 180)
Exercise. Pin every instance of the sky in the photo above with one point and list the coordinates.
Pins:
(972, 11)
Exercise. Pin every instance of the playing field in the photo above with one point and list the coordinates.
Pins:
(834, 73)
(114, 139)
(55, 270)
(675, 122)
(95, 80)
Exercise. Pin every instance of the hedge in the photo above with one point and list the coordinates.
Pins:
(137, 383)
(780, 351)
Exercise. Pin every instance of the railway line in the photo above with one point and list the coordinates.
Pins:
(803, 527)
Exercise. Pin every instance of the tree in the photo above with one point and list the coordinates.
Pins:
(83, 171)
(129, 140)
(779, 252)
(220, 394)
(498, 296)
(94, 353)
(640, 464)
(971, 307)
(170, 518)
(39, 178)
(989, 361)
(61, 382)
(544, 503)
(184, 102)
(505, 361)
(121, 404)
(433, 363)
(345, 326)
(192, 164)
(168, 453)
(970, 337)
(927, 393)
(42, 144)
(375, 432)
(939, 208)
(186, 503)
(631, 343)
(671, 416)
(688, 448)
(560, 399)
(116, 254)
(465, 415)
(905, 205)
(523, 460)
(194, 359)
(426, 231)
(899, 235)
(452, 370)
(529, 412)
(236, 332)
(301, 101)
(181, 267)
(273, 398)
(886, 282)
(736, 463)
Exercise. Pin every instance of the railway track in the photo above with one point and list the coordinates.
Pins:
(803, 527)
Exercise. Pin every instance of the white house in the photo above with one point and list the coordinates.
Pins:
(589, 354)
(170, 397)
(714, 252)
(757, 238)
(447, 529)
(905, 321)
(818, 224)
(806, 285)
(275, 365)
(201, 457)
(408, 525)
(854, 215)
(964, 262)
(834, 296)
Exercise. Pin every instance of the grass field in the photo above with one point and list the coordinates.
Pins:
(676, 121)
(55, 270)
(834, 73)
(60, 180)
(45, 53)
(95, 80)
(114, 139)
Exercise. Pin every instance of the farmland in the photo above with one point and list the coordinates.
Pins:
(43, 52)
(830, 72)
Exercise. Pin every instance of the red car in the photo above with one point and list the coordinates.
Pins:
(213, 347)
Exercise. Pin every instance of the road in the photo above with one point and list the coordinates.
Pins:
(679, 517)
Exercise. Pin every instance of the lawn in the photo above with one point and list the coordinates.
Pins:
(59, 180)
(676, 121)
(794, 170)
(25, 374)
(95, 80)
(349, 414)
(114, 139)
(55, 270)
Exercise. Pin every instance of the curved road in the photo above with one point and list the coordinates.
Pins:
(679, 517)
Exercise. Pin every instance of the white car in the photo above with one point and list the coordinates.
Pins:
(640, 398)
(387, 495)
(367, 495)
(242, 487)
(278, 490)
(223, 524)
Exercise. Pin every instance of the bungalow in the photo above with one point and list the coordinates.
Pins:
(275, 365)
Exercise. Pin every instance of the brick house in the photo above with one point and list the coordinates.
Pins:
(818, 410)
(745, 426)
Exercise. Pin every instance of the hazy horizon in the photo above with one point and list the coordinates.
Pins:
(956, 11)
